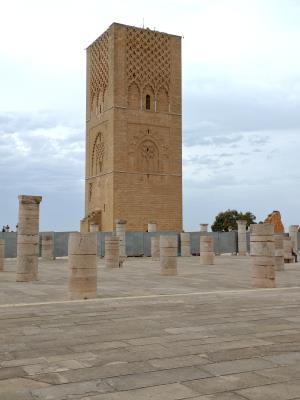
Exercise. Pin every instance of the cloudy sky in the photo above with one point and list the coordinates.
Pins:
(241, 103)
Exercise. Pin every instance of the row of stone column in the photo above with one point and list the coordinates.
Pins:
(242, 239)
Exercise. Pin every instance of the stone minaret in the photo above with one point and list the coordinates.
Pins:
(133, 130)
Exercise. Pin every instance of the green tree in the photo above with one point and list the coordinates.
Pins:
(225, 221)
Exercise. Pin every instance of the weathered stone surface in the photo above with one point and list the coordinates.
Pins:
(2, 254)
(185, 244)
(207, 254)
(112, 252)
(168, 255)
(28, 239)
(47, 246)
(242, 238)
(275, 219)
(262, 251)
(121, 232)
(155, 248)
(287, 250)
(293, 233)
(82, 281)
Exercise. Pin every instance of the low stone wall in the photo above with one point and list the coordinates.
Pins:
(138, 244)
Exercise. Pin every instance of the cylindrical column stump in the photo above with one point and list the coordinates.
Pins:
(2, 254)
(47, 246)
(293, 233)
(185, 244)
(112, 252)
(279, 257)
(242, 237)
(203, 227)
(121, 232)
(262, 251)
(168, 255)
(155, 248)
(207, 255)
(28, 238)
(152, 227)
(287, 249)
(82, 252)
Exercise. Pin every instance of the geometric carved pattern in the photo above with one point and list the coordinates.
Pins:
(99, 67)
(148, 59)
(97, 155)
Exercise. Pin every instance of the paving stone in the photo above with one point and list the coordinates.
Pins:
(155, 378)
(278, 391)
(72, 390)
(227, 383)
(174, 391)
(232, 367)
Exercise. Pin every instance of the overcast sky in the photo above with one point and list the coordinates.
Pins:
(241, 103)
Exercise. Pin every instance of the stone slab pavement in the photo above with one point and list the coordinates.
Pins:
(138, 277)
(164, 340)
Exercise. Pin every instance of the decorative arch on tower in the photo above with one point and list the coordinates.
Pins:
(162, 102)
(148, 156)
(97, 154)
(134, 97)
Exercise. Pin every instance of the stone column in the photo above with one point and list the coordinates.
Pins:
(28, 238)
(112, 252)
(279, 259)
(203, 227)
(2, 254)
(287, 249)
(207, 254)
(155, 248)
(152, 227)
(121, 232)
(47, 246)
(94, 227)
(168, 255)
(185, 244)
(82, 252)
(262, 251)
(293, 232)
(242, 238)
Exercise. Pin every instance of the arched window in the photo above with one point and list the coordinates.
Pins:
(148, 102)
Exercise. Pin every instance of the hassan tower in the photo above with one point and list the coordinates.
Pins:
(133, 130)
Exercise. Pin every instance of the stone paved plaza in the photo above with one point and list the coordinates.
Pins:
(204, 334)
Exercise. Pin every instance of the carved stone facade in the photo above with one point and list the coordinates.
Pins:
(133, 135)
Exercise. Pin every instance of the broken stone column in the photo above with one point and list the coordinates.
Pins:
(47, 246)
(82, 252)
(293, 233)
(207, 254)
(2, 254)
(28, 238)
(185, 244)
(121, 232)
(242, 237)
(203, 227)
(112, 252)
(262, 251)
(152, 227)
(94, 227)
(287, 249)
(155, 248)
(279, 258)
(168, 255)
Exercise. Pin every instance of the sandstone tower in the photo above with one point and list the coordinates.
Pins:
(133, 130)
